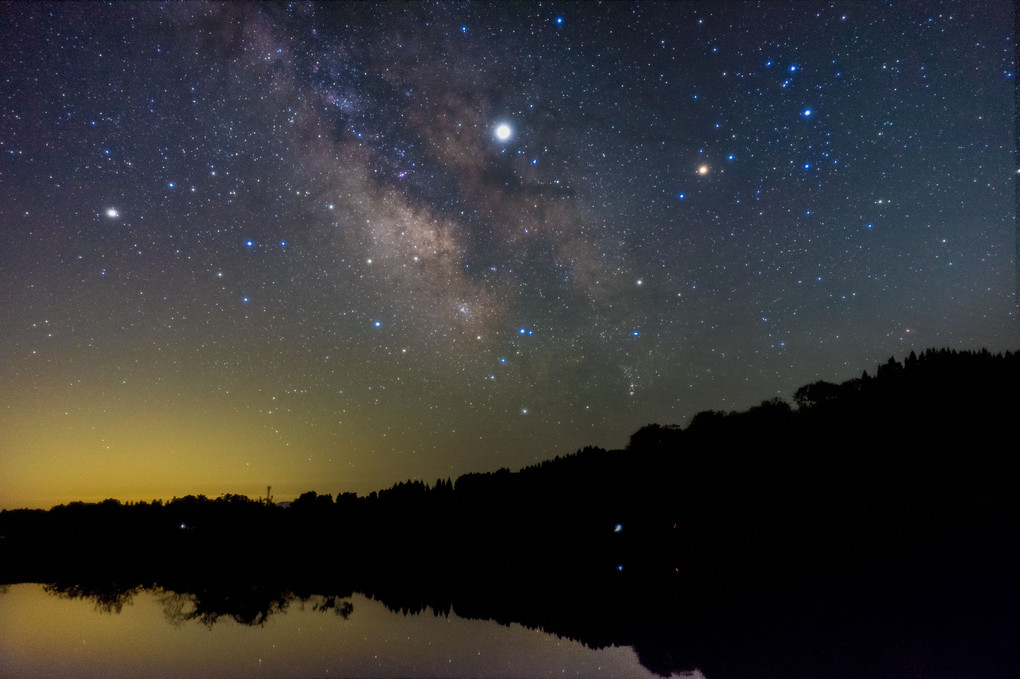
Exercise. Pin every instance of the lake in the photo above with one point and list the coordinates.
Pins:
(922, 630)
(154, 634)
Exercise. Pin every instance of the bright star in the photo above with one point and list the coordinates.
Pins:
(112, 213)
(503, 132)
(807, 113)
(703, 169)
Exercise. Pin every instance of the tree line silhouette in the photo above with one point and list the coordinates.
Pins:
(879, 482)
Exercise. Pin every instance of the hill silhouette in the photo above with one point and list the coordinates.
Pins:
(902, 482)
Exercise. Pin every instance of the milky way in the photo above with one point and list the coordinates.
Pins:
(333, 246)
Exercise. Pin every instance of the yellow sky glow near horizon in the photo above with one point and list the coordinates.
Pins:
(134, 452)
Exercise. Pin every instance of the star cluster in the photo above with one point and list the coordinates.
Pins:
(332, 246)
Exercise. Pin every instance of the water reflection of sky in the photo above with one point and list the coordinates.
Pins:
(42, 635)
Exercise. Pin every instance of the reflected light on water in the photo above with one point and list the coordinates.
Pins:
(42, 635)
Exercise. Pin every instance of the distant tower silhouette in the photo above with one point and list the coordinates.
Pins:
(269, 495)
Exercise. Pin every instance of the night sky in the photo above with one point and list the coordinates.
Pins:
(334, 246)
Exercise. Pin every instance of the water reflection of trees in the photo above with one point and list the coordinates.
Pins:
(107, 597)
(245, 604)
(342, 608)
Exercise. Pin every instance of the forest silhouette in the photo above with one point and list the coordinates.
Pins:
(899, 485)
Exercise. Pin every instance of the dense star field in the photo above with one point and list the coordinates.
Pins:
(333, 246)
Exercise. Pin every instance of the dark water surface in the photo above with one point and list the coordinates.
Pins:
(71, 631)
(150, 635)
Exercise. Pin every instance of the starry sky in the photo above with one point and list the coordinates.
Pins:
(334, 246)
